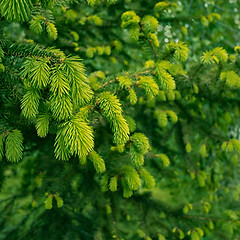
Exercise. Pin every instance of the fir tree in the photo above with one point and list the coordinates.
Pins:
(119, 119)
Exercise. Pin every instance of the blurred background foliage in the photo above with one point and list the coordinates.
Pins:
(194, 163)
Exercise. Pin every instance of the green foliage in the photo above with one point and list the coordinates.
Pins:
(149, 85)
(131, 178)
(153, 38)
(132, 97)
(147, 178)
(161, 6)
(149, 23)
(231, 79)
(37, 71)
(97, 161)
(104, 183)
(221, 54)
(131, 21)
(188, 147)
(231, 145)
(216, 55)
(48, 202)
(161, 237)
(164, 158)
(96, 20)
(112, 111)
(14, 146)
(194, 235)
(131, 123)
(138, 148)
(16, 10)
(74, 137)
(172, 115)
(59, 201)
(162, 119)
(113, 184)
(129, 18)
(179, 50)
(203, 151)
(2, 139)
(127, 192)
(59, 84)
(164, 78)
(124, 81)
(30, 103)
(52, 31)
(1, 54)
(140, 143)
(81, 91)
(36, 24)
(42, 124)
(181, 234)
(125, 116)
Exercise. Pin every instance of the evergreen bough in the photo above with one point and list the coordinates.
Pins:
(119, 119)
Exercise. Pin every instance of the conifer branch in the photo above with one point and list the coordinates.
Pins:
(131, 75)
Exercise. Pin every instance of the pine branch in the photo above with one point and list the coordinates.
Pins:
(24, 50)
